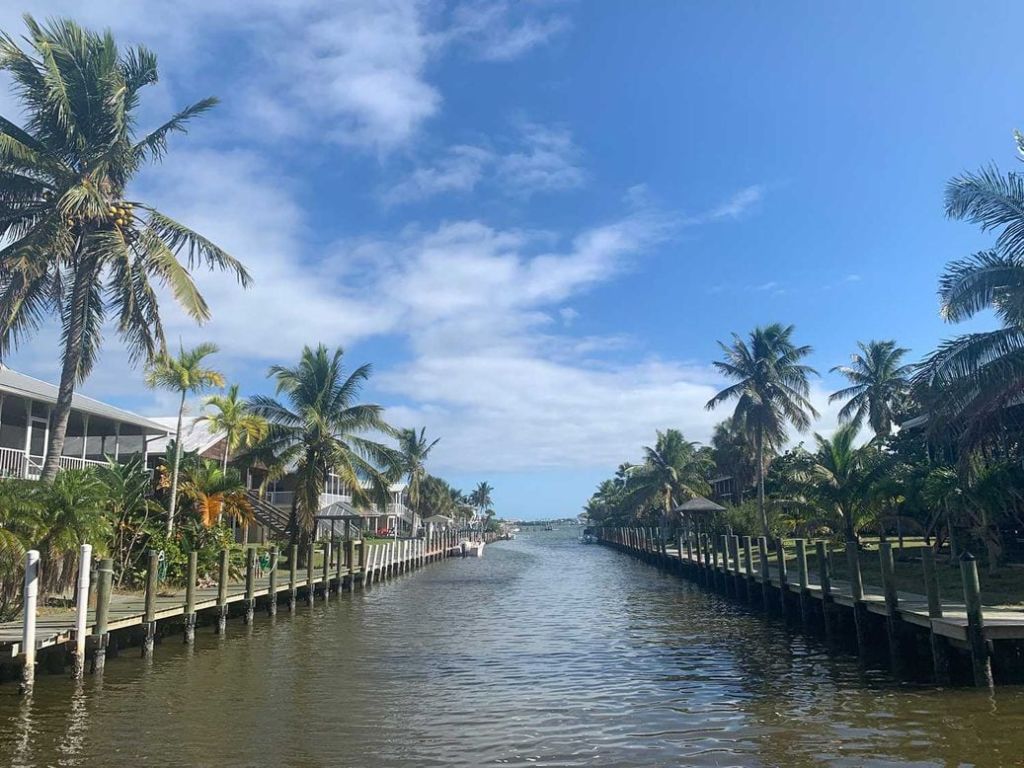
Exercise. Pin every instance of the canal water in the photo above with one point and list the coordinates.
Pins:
(543, 653)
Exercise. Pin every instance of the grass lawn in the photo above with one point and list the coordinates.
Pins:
(1005, 588)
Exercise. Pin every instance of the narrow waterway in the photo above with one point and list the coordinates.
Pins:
(545, 652)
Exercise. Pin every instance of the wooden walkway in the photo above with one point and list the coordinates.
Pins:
(1000, 623)
(57, 627)
(847, 608)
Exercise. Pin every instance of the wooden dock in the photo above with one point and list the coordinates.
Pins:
(331, 567)
(958, 636)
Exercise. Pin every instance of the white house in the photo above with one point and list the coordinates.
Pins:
(95, 430)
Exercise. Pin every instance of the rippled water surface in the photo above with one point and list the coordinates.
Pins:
(545, 652)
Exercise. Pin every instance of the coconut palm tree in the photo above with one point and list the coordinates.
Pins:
(413, 451)
(771, 391)
(879, 385)
(72, 244)
(320, 428)
(673, 471)
(734, 456)
(480, 497)
(841, 477)
(231, 417)
(186, 375)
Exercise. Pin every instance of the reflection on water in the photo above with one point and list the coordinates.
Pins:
(545, 652)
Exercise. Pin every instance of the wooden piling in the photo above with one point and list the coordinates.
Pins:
(250, 585)
(100, 635)
(293, 576)
(780, 565)
(339, 564)
(801, 570)
(860, 616)
(825, 579)
(272, 592)
(939, 644)
(763, 567)
(350, 561)
(734, 548)
(892, 601)
(192, 576)
(327, 569)
(981, 665)
(149, 616)
(363, 570)
(748, 568)
(222, 592)
(310, 574)
(82, 608)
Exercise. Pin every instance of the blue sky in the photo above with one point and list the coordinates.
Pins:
(537, 218)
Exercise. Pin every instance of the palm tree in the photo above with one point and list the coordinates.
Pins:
(673, 471)
(880, 384)
(733, 454)
(73, 512)
(771, 391)
(214, 492)
(480, 497)
(73, 247)
(842, 476)
(320, 428)
(232, 417)
(129, 507)
(413, 451)
(186, 375)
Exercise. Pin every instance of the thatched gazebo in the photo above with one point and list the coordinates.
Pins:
(695, 510)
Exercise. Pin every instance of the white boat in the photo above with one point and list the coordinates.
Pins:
(472, 548)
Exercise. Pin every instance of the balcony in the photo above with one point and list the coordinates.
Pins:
(16, 463)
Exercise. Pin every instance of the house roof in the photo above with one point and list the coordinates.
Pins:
(699, 504)
(195, 435)
(12, 382)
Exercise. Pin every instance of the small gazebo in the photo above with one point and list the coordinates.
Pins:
(696, 509)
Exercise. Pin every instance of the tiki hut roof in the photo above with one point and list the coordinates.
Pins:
(698, 504)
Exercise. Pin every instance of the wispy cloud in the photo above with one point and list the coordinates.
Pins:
(357, 71)
(540, 159)
(501, 31)
(738, 204)
(459, 169)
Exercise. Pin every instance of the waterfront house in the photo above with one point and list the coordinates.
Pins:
(95, 431)
(335, 502)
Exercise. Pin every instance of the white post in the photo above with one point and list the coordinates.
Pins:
(82, 607)
(117, 441)
(28, 433)
(85, 435)
(28, 633)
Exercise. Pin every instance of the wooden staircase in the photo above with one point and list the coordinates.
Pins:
(270, 517)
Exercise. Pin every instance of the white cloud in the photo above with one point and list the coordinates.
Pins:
(356, 71)
(501, 31)
(549, 161)
(540, 159)
(458, 170)
(737, 205)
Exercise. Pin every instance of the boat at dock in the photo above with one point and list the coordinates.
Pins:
(472, 548)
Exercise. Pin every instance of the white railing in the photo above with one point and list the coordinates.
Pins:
(16, 463)
(73, 462)
(12, 462)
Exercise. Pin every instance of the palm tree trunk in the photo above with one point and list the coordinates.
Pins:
(224, 458)
(70, 366)
(760, 484)
(174, 468)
